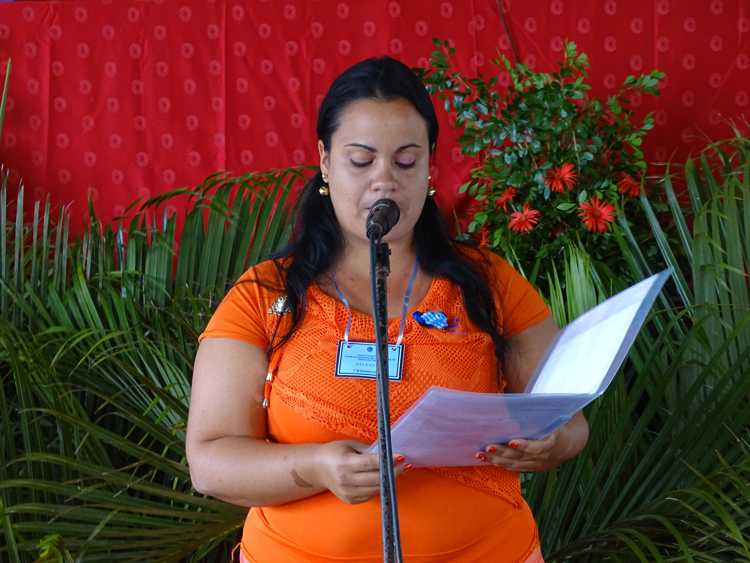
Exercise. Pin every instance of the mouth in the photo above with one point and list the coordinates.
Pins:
(371, 205)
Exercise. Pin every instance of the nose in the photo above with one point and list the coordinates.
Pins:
(384, 180)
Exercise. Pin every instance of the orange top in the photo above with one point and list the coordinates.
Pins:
(446, 514)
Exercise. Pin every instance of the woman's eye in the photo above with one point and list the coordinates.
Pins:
(362, 164)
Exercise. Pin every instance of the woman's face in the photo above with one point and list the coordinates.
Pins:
(380, 150)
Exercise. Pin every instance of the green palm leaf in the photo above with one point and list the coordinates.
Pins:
(646, 487)
(97, 339)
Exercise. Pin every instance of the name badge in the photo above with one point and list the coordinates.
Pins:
(357, 359)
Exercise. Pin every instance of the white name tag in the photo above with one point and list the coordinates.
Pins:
(357, 359)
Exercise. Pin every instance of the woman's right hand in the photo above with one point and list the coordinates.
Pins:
(345, 469)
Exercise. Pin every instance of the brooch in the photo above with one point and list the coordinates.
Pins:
(280, 306)
(431, 319)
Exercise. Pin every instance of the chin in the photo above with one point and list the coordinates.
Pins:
(399, 234)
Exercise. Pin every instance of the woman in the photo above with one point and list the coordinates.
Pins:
(276, 425)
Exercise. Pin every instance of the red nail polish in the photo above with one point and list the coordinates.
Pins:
(408, 466)
(481, 457)
(492, 449)
(513, 445)
(399, 459)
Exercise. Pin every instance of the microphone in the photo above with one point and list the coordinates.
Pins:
(383, 216)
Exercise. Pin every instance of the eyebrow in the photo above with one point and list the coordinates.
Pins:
(372, 149)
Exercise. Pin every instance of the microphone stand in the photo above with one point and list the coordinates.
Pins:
(379, 270)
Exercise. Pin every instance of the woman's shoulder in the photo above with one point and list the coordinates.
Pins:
(271, 273)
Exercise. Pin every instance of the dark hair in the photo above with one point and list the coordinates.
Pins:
(316, 240)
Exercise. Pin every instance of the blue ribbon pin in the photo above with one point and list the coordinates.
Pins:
(431, 319)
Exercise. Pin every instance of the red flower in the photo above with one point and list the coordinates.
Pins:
(524, 221)
(471, 209)
(502, 200)
(628, 186)
(562, 178)
(596, 215)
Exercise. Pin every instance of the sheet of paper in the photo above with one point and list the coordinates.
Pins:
(590, 350)
(447, 427)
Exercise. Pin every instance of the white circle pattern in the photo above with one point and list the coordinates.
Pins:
(155, 79)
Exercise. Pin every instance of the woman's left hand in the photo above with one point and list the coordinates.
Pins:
(524, 455)
(539, 455)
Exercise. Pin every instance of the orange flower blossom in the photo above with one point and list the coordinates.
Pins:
(596, 215)
(628, 186)
(502, 200)
(523, 221)
(562, 178)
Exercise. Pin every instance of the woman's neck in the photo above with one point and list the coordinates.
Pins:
(352, 277)
(354, 262)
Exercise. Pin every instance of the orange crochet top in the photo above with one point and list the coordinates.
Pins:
(306, 403)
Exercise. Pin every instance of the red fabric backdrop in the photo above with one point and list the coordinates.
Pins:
(124, 99)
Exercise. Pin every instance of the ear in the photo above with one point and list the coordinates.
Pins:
(323, 157)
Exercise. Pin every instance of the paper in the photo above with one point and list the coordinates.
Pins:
(447, 427)
(598, 341)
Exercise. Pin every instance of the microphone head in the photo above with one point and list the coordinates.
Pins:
(383, 216)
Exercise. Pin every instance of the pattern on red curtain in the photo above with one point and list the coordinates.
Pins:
(127, 99)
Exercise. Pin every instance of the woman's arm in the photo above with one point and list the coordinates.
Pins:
(227, 450)
(525, 351)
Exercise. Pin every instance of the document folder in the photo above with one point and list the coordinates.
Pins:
(446, 427)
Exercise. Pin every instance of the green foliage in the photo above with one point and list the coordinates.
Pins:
(664, 476)
(97, 340)
(52, 549)
(553, 163)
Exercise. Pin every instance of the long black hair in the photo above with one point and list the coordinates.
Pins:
(317, 240)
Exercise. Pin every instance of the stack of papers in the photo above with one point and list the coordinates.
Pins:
(447, 427)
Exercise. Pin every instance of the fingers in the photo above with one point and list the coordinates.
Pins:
(355, 487)
(535, 447)
(520, 455)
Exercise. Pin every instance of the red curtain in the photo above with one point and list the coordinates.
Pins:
(124, 99)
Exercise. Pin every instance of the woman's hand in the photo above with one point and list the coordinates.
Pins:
(524, 455)
(348, 472)
(539, 455)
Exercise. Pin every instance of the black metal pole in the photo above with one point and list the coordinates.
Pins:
(379, 270)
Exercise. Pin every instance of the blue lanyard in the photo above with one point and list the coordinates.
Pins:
(404, 308)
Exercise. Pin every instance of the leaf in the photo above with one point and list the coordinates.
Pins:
(4, 97)
(566, 207)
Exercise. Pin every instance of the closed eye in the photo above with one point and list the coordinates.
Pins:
(404, 165)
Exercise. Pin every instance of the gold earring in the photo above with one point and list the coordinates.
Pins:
(430, 190)
(323, 190)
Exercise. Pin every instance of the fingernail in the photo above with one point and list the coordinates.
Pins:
(481, 457)
(399, 459)
(513, 445)
(408, 466)
(491, 449)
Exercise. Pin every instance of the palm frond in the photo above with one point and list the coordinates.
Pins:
(680, 402)
(97, 338)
